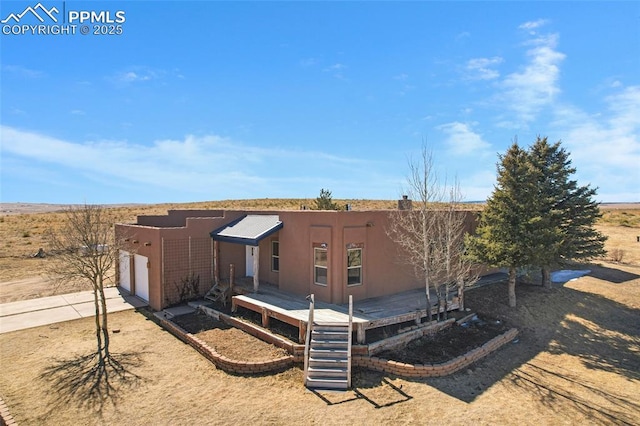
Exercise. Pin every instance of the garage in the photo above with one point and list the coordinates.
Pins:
(141, 276)
(125, 270)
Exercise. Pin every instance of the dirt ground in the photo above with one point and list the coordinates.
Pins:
(577, 360)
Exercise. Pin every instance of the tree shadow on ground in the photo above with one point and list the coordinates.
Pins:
(88, 384)
(612, 275)
(602, 333)
(554, 384)
(368, 386)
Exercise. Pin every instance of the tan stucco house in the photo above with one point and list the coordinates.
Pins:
(332, 254)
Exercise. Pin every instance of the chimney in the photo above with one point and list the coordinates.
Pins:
(405, 203)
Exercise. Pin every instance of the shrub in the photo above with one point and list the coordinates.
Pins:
(617, 254)
(188, 288)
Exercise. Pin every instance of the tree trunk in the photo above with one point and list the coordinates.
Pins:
(104, 326)
(96, 303)
(428, 294)
(460, 293)
(512, 287)
(546, 277)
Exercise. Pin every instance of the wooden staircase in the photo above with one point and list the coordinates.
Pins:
(329, 357)
(219, 292)
(328, 354)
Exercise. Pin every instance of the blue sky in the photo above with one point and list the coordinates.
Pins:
(203, 101)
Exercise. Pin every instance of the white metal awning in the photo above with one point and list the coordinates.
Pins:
(248, 230)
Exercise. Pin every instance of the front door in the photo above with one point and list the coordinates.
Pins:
(249, 261)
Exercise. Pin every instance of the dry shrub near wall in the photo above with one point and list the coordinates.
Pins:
(616, 255)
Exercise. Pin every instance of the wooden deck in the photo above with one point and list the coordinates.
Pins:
(367, 314)
(376, 312)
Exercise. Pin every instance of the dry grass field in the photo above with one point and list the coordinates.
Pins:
(577, 359)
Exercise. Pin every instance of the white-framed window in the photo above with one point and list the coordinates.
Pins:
(320, 265)
(275, 256)
(354, 266)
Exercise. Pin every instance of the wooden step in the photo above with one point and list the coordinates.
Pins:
(338, 363)
(327, 383)
(328, 356)
(331, 327)
(337, 335)
(329, 344)
(319, 372)
(316, 353)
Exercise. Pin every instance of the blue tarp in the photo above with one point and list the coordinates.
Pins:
(565, 275)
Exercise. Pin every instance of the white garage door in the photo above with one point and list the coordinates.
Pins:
(141, 275)
(125, 270)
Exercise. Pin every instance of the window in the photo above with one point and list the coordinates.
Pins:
(275, 256)
(320, 265)
(354, 266)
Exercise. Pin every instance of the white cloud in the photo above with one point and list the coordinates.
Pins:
(605, 147)
(130, 77)
(192, 165)
(536, 85)
(309, 62)
(533, 25)
(136, 74)
(479, 185)
(21, 71)
(337, 70)
(462, 140)
(335, 67)
(483, 68)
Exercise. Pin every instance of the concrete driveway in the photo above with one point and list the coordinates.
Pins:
(64, 307)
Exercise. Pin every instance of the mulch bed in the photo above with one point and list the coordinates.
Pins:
(443, 346)
(448, 343)
(226, 340)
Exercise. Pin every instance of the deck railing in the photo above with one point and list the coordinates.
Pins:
(307, 339)
(350, 339)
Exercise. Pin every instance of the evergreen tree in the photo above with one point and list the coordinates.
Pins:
(325, 201)
(507, 235)
(567, 210)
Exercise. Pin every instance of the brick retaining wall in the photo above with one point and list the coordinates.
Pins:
(434, 370)
(297, 350)
(224, 363)
(6, 419)
(358, 360)
(415, 332)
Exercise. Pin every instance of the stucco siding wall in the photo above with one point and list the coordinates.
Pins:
(383, 269)
(145, 241)
(383, 273)
(265, 273)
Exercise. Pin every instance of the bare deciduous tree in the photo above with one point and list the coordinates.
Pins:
(453, 269)
(431, 234)
(84, 253)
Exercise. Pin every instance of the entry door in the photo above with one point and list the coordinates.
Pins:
(141, 276)
(125, 270)
(249, 261)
